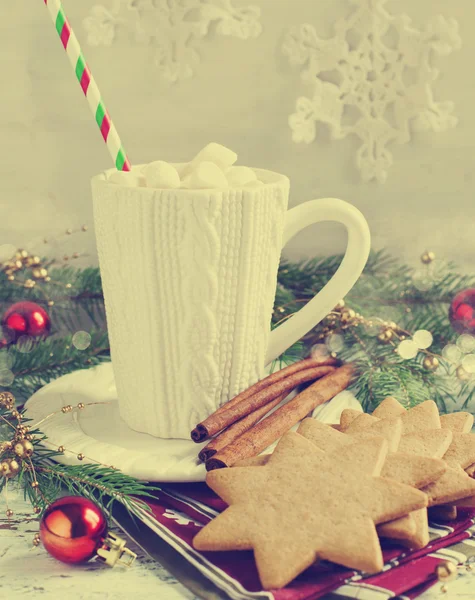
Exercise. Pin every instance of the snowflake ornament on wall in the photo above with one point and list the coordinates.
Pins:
(173, 27)
(373, 79)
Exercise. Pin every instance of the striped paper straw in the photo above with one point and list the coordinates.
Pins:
(88, 85)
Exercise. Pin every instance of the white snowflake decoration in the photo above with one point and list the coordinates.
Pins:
(173, 27)
(373, 79)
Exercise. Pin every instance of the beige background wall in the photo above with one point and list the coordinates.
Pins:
(241, 96)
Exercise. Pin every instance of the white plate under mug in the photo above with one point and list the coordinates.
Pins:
(101, 435)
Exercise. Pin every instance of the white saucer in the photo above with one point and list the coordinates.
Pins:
(99, 433)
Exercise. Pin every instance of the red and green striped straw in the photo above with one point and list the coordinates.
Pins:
(88, 85)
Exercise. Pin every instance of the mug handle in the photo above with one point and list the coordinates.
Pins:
(351, 267)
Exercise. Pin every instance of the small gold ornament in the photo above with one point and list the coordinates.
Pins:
(11, 278)
(13, 466)
(4, 468)
(47, 279)
(36, 541)
(340, 305)
(16, 414)
(347, 315)
(69, 231)
(68, 286)
(386, 335)
(7, 400)
(61, 449)
(462, 374)
(29, 283)
(430, 363)
(9, 512)
(28, 448)
(34, 484)
(50, 302)
(446, 571)
(428, 257)
(19, 450)
(36, 510)
(81, 405)
(80, 456)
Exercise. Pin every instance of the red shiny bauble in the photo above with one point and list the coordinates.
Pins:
(25, 318)
(72, 528)
(462, 312)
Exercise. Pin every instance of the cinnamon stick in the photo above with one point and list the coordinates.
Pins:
(219, 421)
(254, 441)
(237, 429)
(209, 427)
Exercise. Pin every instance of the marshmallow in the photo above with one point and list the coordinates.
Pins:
(219, 155)
(239, 176)
(207, 175)
(126, 178)
(162, 175)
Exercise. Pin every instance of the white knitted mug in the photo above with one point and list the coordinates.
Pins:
(189, 279)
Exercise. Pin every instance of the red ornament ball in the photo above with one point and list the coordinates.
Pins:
(25, 318)
(72, 528)
(462, 312)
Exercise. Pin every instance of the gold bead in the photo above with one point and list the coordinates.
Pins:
(19, 450)
(347, 315)
(61, 449)
(80, 456)
(64, 410)
(17, 264)
(69, 231)
(9, 512)
(36, 260)
(340, 305)
(28, 448)
(36, 510)
(36, 273)
(34, 484)
(29, 283)
(462, 374)
(428, 257)
(14, 467)
(81, 405)
(430, 363)
(47, 279)
(16, 414)
(69, 408)
(68, 286)
(446, 571)
(36, 541)
(50, 302)
(11, 278)
(7, 400)
(28, 437)
(22, 254)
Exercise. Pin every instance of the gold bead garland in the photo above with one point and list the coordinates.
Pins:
(15, 454)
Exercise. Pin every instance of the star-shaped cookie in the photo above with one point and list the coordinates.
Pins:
(455, 484)
(411, 530)
(305, 504)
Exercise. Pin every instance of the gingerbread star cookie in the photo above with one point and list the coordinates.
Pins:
(411, 530)
(305, 504)
(455, 484)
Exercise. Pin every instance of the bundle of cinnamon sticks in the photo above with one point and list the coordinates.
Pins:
(240, 429)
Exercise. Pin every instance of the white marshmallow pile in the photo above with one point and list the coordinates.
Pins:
(212, 168)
